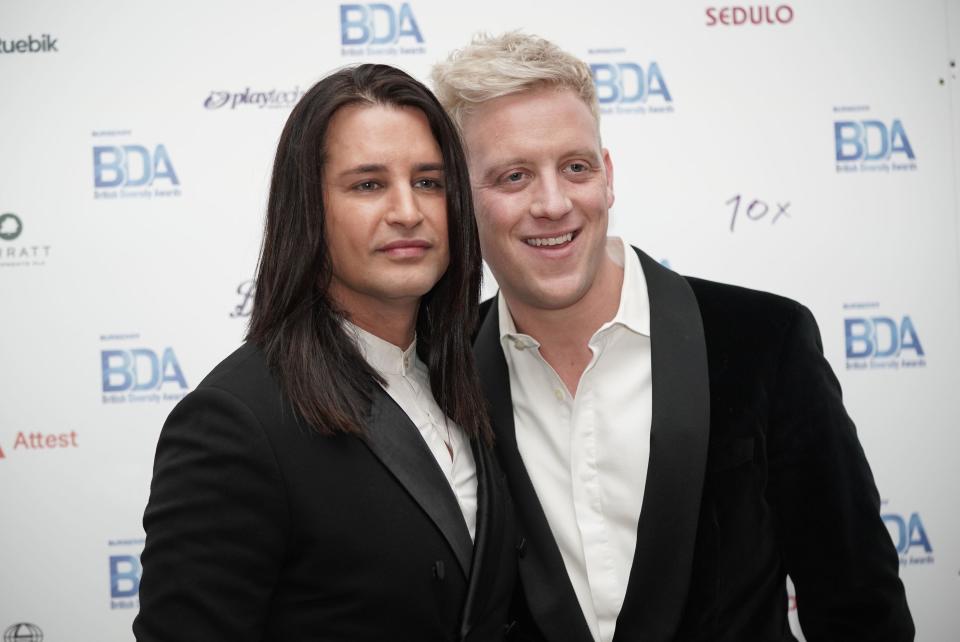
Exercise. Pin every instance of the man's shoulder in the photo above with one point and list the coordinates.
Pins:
(737, 307)
(244, 373)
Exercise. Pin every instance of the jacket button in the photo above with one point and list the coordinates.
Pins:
(522, 547)
(438, 571)
(508, 628)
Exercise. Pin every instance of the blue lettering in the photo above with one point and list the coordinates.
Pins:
(389, 20)
(110, 368)
(909, 338)
(859, 335)
(171, 369)
(408, 24)
(847, 134)
(899, 141)
(918, 536)
(630, 76)
(124, 576)
(881, 130)
(162, 167)
(891, 333)
(351, 25)
(153, 367)
(606, 79)
(107, 170)
(656, 86)
(143, 165)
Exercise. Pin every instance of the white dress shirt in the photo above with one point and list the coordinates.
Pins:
(407, 381)
(587, 454)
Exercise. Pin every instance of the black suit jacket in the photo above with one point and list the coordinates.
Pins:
(755, 472)
(260, 529)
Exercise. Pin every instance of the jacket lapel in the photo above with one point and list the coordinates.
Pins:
(490, 539)
(393, 438)
(666, 534)
(547, 587)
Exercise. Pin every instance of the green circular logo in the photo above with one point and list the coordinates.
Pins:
(10, 226)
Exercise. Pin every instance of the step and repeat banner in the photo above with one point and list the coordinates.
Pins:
(809, 148)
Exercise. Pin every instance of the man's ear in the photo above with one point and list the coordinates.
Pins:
(608, 166)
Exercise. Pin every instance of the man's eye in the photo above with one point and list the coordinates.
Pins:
(429, 183)
(578, 167)
(513, 177)
(367, 186)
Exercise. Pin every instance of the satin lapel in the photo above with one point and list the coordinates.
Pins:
(397, 443)
(547, 587)
(660, 576)
(488, 541)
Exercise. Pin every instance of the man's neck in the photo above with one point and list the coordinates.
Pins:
(392, 321)
(564, 334)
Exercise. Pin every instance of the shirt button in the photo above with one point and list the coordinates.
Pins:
(559, 394)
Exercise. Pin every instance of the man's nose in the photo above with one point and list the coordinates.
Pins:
(404, 208)
(551, 201)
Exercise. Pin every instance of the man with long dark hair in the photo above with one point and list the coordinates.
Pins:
(332, 479)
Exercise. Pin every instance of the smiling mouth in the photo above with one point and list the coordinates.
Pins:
(547, 241)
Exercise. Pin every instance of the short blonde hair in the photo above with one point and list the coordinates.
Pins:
(494, 66)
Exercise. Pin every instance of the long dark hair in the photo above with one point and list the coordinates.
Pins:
(295, 322)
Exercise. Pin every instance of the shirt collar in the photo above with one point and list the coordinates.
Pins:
(632, 313)
(634, 310)
(383, 356)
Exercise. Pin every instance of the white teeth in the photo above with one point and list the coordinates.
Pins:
(553, 240)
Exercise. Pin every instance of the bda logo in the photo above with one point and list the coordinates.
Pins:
(882, 341)
(377, 24)
(870, 140)
(131, 166)
(125, 369)
(140, 370)
(626, 87)
(871, 145)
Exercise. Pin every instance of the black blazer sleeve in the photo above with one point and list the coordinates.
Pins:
(217, 515)
(835, 546)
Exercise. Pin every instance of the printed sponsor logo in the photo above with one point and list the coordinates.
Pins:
(132, 170)
(30, 45)
(270, 99)
(881, 341)
(628, 87)
(871, 144)
(737, 16)
(42, 442)
(137, 374)
(245, 305)
(23, 632)
(23, 254)
(379, 29)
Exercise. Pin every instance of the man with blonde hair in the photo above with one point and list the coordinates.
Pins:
(675, 447)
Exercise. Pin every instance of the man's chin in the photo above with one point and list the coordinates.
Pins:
(548, 297)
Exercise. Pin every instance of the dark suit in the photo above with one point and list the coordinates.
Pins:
(259, 529)
(755, 472)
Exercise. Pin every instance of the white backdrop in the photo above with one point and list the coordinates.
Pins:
(137, 142)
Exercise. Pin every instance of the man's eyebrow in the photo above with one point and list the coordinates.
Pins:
(371, 168)
(375, 168)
